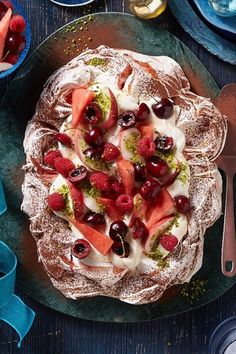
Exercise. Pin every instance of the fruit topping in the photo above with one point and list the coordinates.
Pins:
(164, 207)
(94, 218)
(168, 242)
(81, 97)
(139, 230)
(63, 166)
(115, 189)
(17, 24)
(92, 113)
(140, 173)
(163, 109)
(124, 203)
(4, 25)
(139, 209)
(182, 204)
(121, 249)
(11, 58)
(81, 249)
(110, 112)
(94, 137)
(126, 172)
(101, 242)
(156, 166)
(50, 157)
(56, 202)
(170, 178)
(164, 143)
(110, 208)
(142, 113)
(100, 181)
(78, 174)
(93, 153)
(78, 201)
(15, 43)
(64, 139)
(127, 120)
(150, 190)
(118, 230)
(110, 152)
(145, 147)
(155, 231)
(146, 131)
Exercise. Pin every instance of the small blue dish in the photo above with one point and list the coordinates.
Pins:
(223, 339)
(19, 10)
(72, 3)
(227, 25)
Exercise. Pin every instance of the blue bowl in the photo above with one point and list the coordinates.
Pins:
(224, 337)
(72, 2)
(19, 10)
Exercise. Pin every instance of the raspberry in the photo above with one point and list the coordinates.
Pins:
(63, 166)
(12, 58)
(145, 147)
(100, 181)
(115, 189)
(111, 152)
(169, 242)
(124, 202)
(50, 156)
(64, 139)
(17, 24)
(56, 202)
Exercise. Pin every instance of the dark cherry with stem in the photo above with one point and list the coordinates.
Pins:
(163, 109)
(122, 249)
(118, 230)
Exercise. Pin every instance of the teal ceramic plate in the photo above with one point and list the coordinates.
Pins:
(193, 24)
(18, 107)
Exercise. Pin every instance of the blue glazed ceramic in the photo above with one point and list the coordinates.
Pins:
(72, 2)
(225, 24)
(223, 339)
(192, 23)
(19, 10)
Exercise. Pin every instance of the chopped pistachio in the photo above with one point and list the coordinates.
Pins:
(96, 61)
(64, 191)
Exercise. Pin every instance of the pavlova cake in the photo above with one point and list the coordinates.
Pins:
(120, 180)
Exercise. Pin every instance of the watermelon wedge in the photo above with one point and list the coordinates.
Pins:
(164, 207)
(126, 172)
(4, 25)
(101, 242)
(81, 97)
(78, 200)
(155, 231)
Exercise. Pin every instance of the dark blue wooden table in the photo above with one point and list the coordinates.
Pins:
(54, 333)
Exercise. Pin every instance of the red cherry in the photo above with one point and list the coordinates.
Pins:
(81, 249)
(142, 112)
(150, 190)
(139, 230)
(163, 109)
(118, 230)
(15, 43)
(139, 173)
(164, 143)
(94, 137)
(182, 204)
(122, 249)
(93, 113)
(156, 166)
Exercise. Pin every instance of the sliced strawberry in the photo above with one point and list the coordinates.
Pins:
(163, 207)
(78, 200)
(81, 97)
(126, 172)
(101, 242)
(4, 26)
(110, 208)
(146, 131)
(156, 231)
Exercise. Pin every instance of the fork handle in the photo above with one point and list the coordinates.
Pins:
(228, 256)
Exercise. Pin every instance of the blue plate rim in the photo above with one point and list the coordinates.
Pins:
(177, 8)
(60, 3)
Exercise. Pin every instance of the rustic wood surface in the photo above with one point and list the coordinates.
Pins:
(54, 333)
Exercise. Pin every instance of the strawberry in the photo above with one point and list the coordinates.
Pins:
(100, 181)
(168, 242)
(64, 139)
(50, 157)
(124, 203)
(17, 24)
(145, 147)
(63, 166)
(110, 152)
(56, 202)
